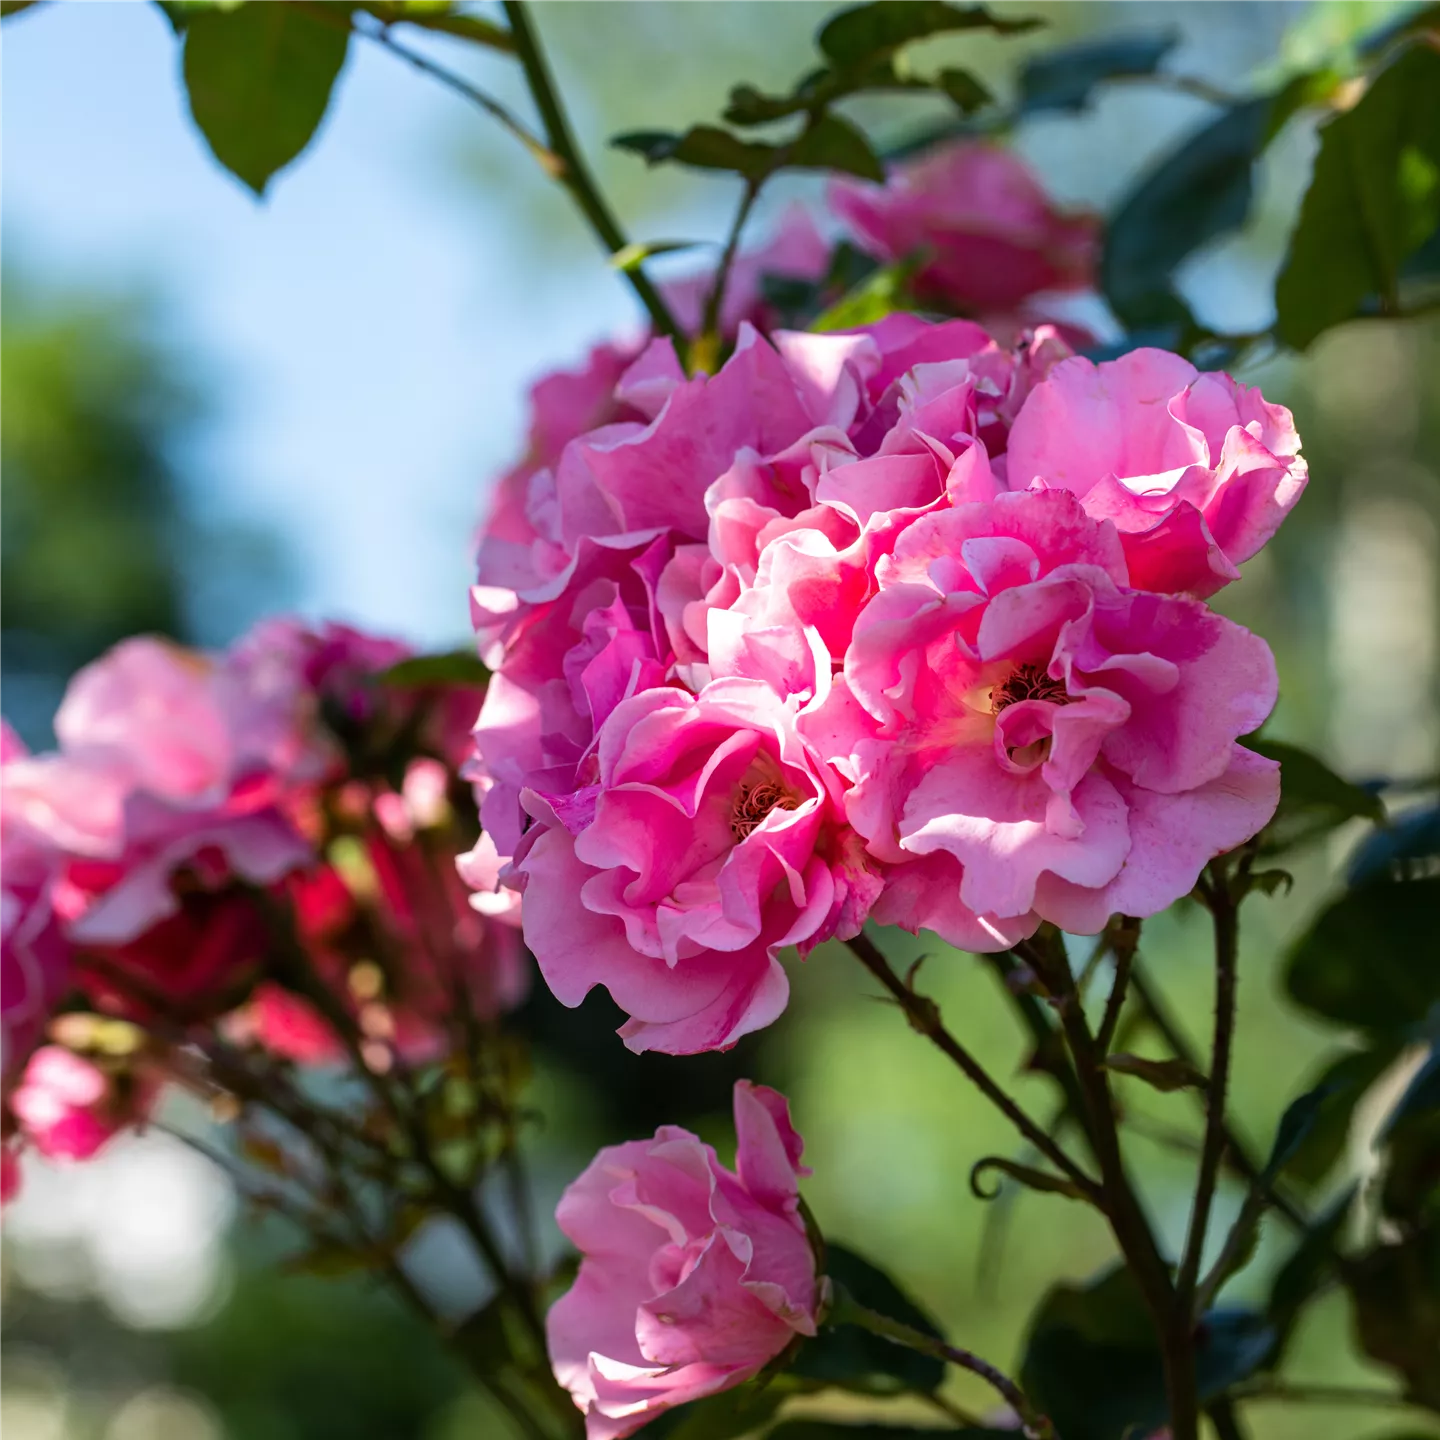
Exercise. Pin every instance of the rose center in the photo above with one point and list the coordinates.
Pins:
(1028, 682)
(754, 800)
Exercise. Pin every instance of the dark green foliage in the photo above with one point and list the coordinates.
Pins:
(856, 1359)
(1373, 201)
(1093, 1366)
(259, 78)
(1370, 958)
(1313, 798)
(1066, 79)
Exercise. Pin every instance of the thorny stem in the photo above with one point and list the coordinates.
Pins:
(846, 1310)
(924, 1016)
(567, 165)
(1223, 900)
(1119, 1201)
(1123, 945)
(1237, 1153)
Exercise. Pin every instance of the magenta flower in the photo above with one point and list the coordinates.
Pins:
(1060, 745)
(993, 236)
(1195, 470)
(34, 955)
(692, 1276)
(67, 1107)
(712, 836)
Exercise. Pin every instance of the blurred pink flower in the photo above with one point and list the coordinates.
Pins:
(1195, 470)
(692, 1276)
(34, 955)
(66, 1106)
(1059, 745)
(993, 236)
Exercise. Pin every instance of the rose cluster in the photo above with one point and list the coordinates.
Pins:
(900, 623)
(213, 838)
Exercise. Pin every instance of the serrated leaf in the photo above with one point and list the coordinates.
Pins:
(1369, 958)
(743, 1410)
(1164, 1075)
(452, 667)
(1374, 198)
(259, 80)
(749, 106)
(1066, 79)
(1026, 1175)
(855, 1359)
(869, 32)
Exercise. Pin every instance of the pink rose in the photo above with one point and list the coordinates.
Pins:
(994, 237)
(1195, 470)
(66, 1106)
(712, 836)
(1057, 745)
(692, 1277)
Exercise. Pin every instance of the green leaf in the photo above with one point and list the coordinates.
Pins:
(870, 32)
(741, 1411)
(1164, 1075)
(1093, 1366)
(835, 144)
(1300, 1278)
(1370, 957)
(1066, 79)
(836, 1430)
(1393, 1290)
(14, 7)
(1400, 851)
(638, 252)
(452, 667)
(1314, 1128)
(1025, 1175)
(749, 106)
(855, 1359)
(884, 291)
(1313, 798)
(1411, 1141)
(1196, 193)
(1374, 198)
(704, 147)
(259, 79)
(964, 90)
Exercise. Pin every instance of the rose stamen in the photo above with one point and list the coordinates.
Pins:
(754, 800)
(1028, 682)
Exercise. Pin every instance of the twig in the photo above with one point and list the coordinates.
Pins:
(571, 171)
(1125, 940)
(846, 1310)
(1223, 900)
(715, 303)
(924, 1016)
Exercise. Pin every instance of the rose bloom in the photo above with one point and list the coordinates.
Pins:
(1058, 745)
(692, 1276)
(1195, 470)
(993, 236)
(712, 837)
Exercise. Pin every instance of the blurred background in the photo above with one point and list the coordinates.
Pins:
(215, 408)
